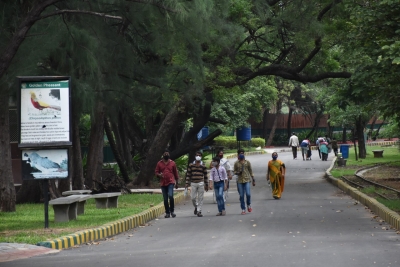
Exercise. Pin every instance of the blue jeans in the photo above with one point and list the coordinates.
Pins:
(219, 195)
(244, 188)
(168, 193)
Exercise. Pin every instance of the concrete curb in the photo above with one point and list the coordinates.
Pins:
(379, 209)
(109, 229)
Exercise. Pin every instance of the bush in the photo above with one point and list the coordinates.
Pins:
(229, 142)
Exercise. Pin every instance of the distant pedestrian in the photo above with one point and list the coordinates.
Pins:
(294, 144)
(317, 143)
(276, 175)
(305, 146)
(219, 179)
(166, 170)
(323, 147)
(335, 146)
(196, 178)
(243, 170)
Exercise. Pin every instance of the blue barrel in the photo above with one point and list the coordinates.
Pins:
(243, 134)
(344, 149)
(203, 133)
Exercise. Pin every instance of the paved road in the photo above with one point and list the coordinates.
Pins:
(313, 224)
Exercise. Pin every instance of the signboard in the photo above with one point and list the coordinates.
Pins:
(44, 164)
(44, 112)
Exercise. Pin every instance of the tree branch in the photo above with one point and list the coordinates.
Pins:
(327, 8)
(310, 56)
(85, 12)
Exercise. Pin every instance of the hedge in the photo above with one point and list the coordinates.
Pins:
(229, 142)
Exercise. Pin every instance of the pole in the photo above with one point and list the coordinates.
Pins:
(46, 203)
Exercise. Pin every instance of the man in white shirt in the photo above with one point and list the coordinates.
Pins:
(294, 144)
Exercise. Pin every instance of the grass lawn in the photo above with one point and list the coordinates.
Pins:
(391, 157)
(26, 225)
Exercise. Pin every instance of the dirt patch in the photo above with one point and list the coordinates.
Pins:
(386, 175)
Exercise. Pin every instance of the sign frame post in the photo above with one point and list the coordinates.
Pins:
(45, 133)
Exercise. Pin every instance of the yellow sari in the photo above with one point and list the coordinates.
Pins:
(276, 170)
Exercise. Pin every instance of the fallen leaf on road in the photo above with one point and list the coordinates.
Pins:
(254, 225)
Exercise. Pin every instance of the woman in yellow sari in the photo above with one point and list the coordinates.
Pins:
(276, 175)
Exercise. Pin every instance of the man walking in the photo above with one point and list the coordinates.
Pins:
(294, 143)
(196, 178)
(243, 170)
(166, 170)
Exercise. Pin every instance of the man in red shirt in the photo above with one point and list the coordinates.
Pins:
(167, 171)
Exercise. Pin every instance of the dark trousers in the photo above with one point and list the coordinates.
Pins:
(319, 152)
(324, 156)
(168, 194)
(294, 150)
(335, 150)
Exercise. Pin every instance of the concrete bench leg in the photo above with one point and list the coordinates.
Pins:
(113, 202)
(61, 213)
(73, 211)
(101, 203)
(81, 207)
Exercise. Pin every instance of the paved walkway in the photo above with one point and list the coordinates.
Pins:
(314, 224)
(15, 251)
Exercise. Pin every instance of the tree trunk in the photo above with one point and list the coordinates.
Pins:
(7, 189)
(95, 151)
(274, 125)
(114, 149)
(344, 135)
(160, 142)
(265, 123)
(30, 192)
(354, 143)
(315, 126)
(360, 126)
(289, 123)
(126, 147)
(76, 155)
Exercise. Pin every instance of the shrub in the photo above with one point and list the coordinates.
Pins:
(229, 142)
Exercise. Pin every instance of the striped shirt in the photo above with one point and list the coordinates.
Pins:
(196, 174)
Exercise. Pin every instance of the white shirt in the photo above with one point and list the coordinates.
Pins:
(294, 141)
(225, 163)
(219, 174)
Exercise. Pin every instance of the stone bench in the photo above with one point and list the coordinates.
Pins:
(76, 192)
(68, 208)
(378, 153)
(106, 200)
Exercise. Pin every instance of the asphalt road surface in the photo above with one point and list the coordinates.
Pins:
(314, 224)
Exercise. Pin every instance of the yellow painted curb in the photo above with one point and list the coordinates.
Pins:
(379, 209)
(109, 229)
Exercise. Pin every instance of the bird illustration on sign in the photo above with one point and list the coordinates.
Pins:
(48, 168)
(40, 105)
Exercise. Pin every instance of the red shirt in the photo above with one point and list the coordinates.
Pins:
(169, 171)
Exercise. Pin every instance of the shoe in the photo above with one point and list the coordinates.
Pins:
(249, 209)
(219, 214)
(195, 211)
(173, 215)
(199, 214)
(223, 213)
(303, 159)
(167, 215)
(243, 212)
